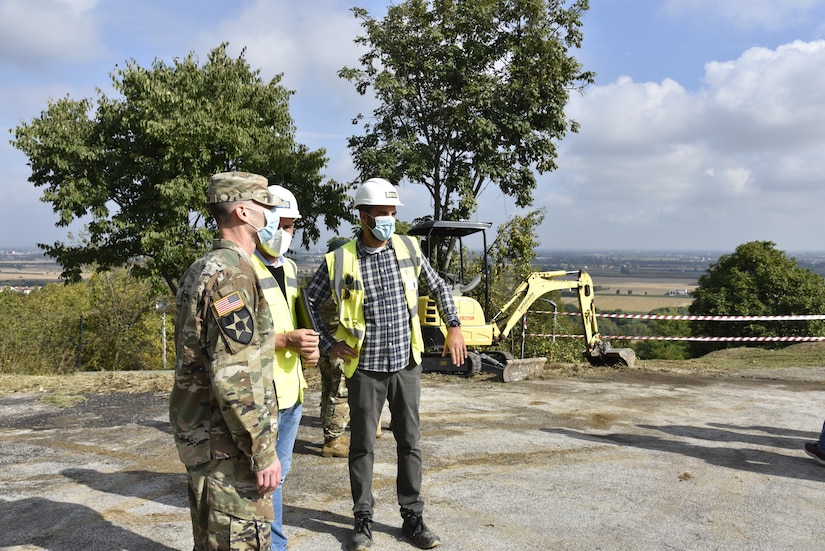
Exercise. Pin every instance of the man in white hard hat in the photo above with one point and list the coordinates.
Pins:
(374, 281)
(279, 279)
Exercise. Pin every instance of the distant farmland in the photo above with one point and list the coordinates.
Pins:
(637, 304)
(640, 296)
(25, 271)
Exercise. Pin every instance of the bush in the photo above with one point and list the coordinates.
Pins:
(108, 322)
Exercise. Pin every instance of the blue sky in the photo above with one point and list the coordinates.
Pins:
(705, 128)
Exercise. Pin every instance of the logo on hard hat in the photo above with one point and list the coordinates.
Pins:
(391, 194)
(284, 204)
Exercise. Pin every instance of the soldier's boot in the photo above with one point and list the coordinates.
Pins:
(336, 447)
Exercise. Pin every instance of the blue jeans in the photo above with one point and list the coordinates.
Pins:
(821, 442)
(288, 421)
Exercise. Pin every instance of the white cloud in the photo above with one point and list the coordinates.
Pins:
(766, 14)
(308, 42)
(629, 115)
(35, 33)
(735, 181)
(775, 90)
(654, 157)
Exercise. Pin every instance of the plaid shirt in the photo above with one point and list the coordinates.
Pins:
(387, 342)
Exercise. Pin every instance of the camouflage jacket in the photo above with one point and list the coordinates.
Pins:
(223, 404)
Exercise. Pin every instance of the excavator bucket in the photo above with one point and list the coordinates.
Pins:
(605, 355)
(519, 370)
(511, 370)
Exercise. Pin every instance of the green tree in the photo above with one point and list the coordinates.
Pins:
(511, 260)
(139, 167)
(470, 93)
(121, 326)
(43, 335)
(514, 248)
(757, 280)
(662, 349)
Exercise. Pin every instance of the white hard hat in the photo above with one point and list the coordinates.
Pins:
(285, 205)
(376, 191)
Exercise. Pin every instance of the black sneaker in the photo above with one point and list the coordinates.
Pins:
(362, 535)
(417, 532)
(812, 449)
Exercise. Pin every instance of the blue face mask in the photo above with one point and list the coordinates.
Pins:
(267, 233)
(384, 227)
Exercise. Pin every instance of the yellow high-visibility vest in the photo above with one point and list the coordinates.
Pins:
(348, 292)
(288, 375)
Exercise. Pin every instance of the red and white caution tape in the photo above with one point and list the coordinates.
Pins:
(696, 339)
(694, 318)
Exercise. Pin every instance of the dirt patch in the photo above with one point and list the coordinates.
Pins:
(662, 458)
(26, 411)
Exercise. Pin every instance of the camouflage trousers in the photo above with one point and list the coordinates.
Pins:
(219, 488)
(334, 404)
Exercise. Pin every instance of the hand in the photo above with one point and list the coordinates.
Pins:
(269, 478)
(303, 341)
(455, 344)
(312, 359)
(342, 351)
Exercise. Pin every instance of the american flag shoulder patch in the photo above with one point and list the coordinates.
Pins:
(229, 303)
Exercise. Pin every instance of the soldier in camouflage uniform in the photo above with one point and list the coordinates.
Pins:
(334, 404)
(334, 408)
(223, 407)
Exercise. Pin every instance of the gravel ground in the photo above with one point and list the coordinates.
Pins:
(612, 460)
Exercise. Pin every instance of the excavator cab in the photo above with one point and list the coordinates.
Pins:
(481, 330)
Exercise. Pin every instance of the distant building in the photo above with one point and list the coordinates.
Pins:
(22, 289)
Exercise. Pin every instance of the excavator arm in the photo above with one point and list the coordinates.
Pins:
(536, 285)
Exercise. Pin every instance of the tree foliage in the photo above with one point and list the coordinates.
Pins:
(660, 349)
(139, 166)
(514, 248)
(470, 93)
(757, 280)
(511, 258)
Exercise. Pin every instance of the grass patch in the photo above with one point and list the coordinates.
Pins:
(91, 382)
(67, 390)
(804, 354)
(63, 400)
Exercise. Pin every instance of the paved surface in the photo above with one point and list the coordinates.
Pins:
(612, 460)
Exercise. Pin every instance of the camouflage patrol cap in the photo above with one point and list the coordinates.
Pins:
(239, 186)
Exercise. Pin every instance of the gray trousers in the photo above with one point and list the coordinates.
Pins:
(368, 391)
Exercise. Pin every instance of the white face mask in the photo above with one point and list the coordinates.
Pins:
(278, 244)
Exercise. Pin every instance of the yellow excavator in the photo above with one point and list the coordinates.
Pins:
(479, 332)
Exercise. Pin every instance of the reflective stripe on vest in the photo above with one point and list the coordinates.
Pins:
(289, 378)
(347, 288)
